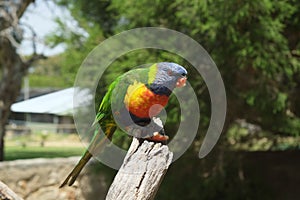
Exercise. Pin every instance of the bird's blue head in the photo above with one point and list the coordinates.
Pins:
(172, 69)
(168, 76)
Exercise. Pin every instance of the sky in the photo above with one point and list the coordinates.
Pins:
(40, 16)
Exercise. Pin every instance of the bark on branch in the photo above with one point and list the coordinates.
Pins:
(142, 171)
(7, 194)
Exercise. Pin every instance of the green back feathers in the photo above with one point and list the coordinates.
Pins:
(152, 73)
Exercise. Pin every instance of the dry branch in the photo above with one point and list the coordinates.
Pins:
(7, 194)
(142, 171)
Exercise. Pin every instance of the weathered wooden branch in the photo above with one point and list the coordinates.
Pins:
(7, 194)
(142, 171)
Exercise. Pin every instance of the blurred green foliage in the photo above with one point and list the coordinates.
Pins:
(256, 46)
(43, 72)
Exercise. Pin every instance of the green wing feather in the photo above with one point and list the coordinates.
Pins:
(104, 111)
(105, 119)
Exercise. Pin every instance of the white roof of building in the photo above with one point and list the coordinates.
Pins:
(58, 103)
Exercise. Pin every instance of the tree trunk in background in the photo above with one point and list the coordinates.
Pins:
(13, 70)
(2, 129)
(12, 67)
(2, 147)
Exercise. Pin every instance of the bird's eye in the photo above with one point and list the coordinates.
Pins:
(170, 73)
(183, 74)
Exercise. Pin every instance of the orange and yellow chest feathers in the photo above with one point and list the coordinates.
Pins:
(142, 102)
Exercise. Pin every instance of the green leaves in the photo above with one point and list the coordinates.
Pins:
(255, 44)
(280, 102)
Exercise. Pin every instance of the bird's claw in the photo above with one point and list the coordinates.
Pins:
(157, 137)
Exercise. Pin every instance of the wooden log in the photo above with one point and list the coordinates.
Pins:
(142, 171)
(7, 194)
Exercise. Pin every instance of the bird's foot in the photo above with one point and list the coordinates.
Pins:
(157, 137)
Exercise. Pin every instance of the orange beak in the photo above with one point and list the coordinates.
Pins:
(181, 82)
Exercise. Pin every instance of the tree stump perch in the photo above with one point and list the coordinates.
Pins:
(142, 171)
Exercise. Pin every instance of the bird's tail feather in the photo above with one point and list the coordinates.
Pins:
(77, 169)
(95, 146)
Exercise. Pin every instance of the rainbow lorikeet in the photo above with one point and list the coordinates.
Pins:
(134, 93)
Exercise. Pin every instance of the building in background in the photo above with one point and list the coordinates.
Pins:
(52, 112)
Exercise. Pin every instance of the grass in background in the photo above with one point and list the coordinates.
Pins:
(38, 145)
(18, 152)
